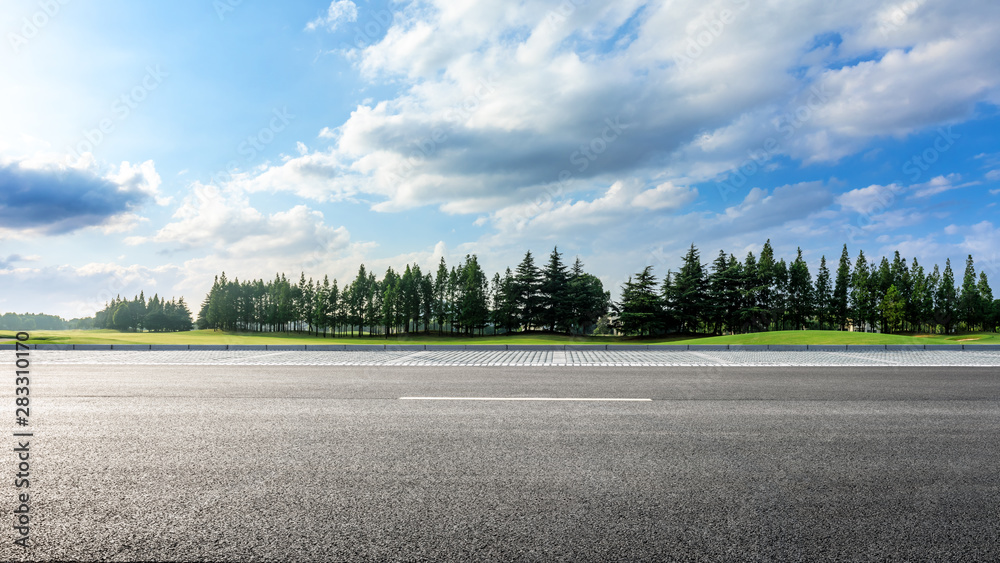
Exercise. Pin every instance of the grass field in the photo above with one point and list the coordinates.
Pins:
(777, 337)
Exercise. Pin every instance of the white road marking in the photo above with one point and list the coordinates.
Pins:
(519, 399)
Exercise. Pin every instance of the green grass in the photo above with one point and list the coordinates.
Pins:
(220, 337)
(838, 337)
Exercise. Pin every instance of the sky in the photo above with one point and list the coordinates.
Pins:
(149, 146)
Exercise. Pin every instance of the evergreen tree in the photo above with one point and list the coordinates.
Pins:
(893, 309)
(640, 305)
(861, 294)
(688, 292)
(920, 302)
(529, 301)
(554, 306)
(823, 296)
(753, 316)
(841, 289)
(588, 300)
(969, 306)
(473, 310)
(765, 276)
(946, 302)
(985, 303)
(800, 292)
(779, 296)
(441, 295)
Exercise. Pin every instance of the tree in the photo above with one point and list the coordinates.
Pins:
(893, 309)
(724, 294)
(969, 306)
(640, 305)
(554, 304)
(473, 310)
(779, 298)
(841, 310)
(986, 303)
(766, 273)
(753, 316)
(861, 294)
(823, 296)
(441, 295)
(946, 301)
(505, 303)
(529, 301)
(919, 303)
(688, 292)
(800, 292)
(589, 300)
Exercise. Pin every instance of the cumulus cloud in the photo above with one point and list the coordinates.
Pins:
(340, 11)
(500, 101)
(48, 197)
(225, 222)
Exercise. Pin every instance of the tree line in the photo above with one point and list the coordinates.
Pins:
(758, 293)
(461, 299)
(33, 321)
(761, 293)
(156, 315)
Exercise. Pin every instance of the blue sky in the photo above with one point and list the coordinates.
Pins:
(149, 146)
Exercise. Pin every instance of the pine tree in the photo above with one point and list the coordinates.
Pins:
(529, 281)
(823, 295)
(640, 305)
(554, 303)
(841, 289)
(919, 302)
(753, 317)
(893, 309)
(765, 276)
(861, 294)
(441, 295)
(688, 292)
(968, 303)
(946, 301)
(800, 292)
(779, 296)
(985, 303)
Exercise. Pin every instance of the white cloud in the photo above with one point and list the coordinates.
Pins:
(498, 99)
(340, 11)
(870, 200)
(939, 184)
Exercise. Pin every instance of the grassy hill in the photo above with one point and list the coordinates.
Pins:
(220, 337)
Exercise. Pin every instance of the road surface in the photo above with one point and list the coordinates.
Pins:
(328, 463)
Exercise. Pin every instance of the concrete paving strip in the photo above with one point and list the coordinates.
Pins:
(726, 359)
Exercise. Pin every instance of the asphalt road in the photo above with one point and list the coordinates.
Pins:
(327, 463)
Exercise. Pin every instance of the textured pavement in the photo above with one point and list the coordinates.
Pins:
(327, 463)
(525, 358)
